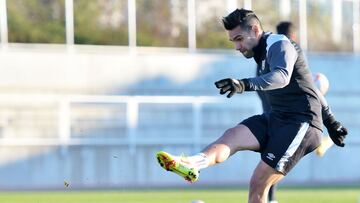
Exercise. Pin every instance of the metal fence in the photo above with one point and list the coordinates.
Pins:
(115, 146)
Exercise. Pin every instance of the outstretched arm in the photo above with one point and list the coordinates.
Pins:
(281, 58)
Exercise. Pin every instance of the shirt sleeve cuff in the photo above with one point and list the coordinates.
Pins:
(246, 84)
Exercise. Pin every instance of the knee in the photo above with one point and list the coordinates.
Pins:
(222, 156)
(226, 145)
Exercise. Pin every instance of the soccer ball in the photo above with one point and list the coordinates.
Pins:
(321, 82)
(197, 201)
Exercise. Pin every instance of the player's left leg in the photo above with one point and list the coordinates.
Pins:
(262, 179)
(281, 154)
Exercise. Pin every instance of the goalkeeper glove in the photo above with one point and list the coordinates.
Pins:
(230, 85)
(337, 131)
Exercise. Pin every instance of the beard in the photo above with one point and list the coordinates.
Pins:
(248, 54)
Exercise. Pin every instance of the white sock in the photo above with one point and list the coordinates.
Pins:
(199, 160)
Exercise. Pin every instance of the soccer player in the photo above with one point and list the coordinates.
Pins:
(289, 131)
(288, 29)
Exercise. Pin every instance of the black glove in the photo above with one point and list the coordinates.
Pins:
(337, 131)
(231, 85)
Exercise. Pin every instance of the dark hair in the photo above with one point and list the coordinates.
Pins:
(285, 28)
(245, 18)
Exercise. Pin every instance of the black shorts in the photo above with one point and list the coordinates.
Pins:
(283, 142)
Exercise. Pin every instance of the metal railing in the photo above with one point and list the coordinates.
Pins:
(70, 146)
(64, 106)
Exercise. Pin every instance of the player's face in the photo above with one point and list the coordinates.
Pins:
(244, 40)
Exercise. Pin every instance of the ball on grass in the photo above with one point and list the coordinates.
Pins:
(197, 201)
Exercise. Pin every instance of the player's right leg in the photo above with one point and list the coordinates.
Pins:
(233, 140)
(178, 165)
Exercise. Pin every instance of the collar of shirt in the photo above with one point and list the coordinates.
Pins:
(260, 49)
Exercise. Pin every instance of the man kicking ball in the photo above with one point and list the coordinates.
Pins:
(289, 131)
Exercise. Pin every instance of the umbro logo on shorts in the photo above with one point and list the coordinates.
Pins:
(270, 156)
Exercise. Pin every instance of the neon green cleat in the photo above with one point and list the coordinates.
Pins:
(178, 166)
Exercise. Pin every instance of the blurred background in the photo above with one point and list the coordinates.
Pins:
(90, 90)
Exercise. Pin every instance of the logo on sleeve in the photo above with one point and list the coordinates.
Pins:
(270, 156)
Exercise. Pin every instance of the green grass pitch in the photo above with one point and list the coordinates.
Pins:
(316, 195)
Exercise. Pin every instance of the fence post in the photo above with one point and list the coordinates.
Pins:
(197, 129)
(132, 114)
(64, 124)
(3, 23)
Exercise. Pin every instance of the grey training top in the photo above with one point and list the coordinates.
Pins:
(285, 80)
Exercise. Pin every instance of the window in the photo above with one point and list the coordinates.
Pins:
(36, 21)
(210, 32)
(162, 23)
(102, 22)
(268, 13)
(322, 32)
